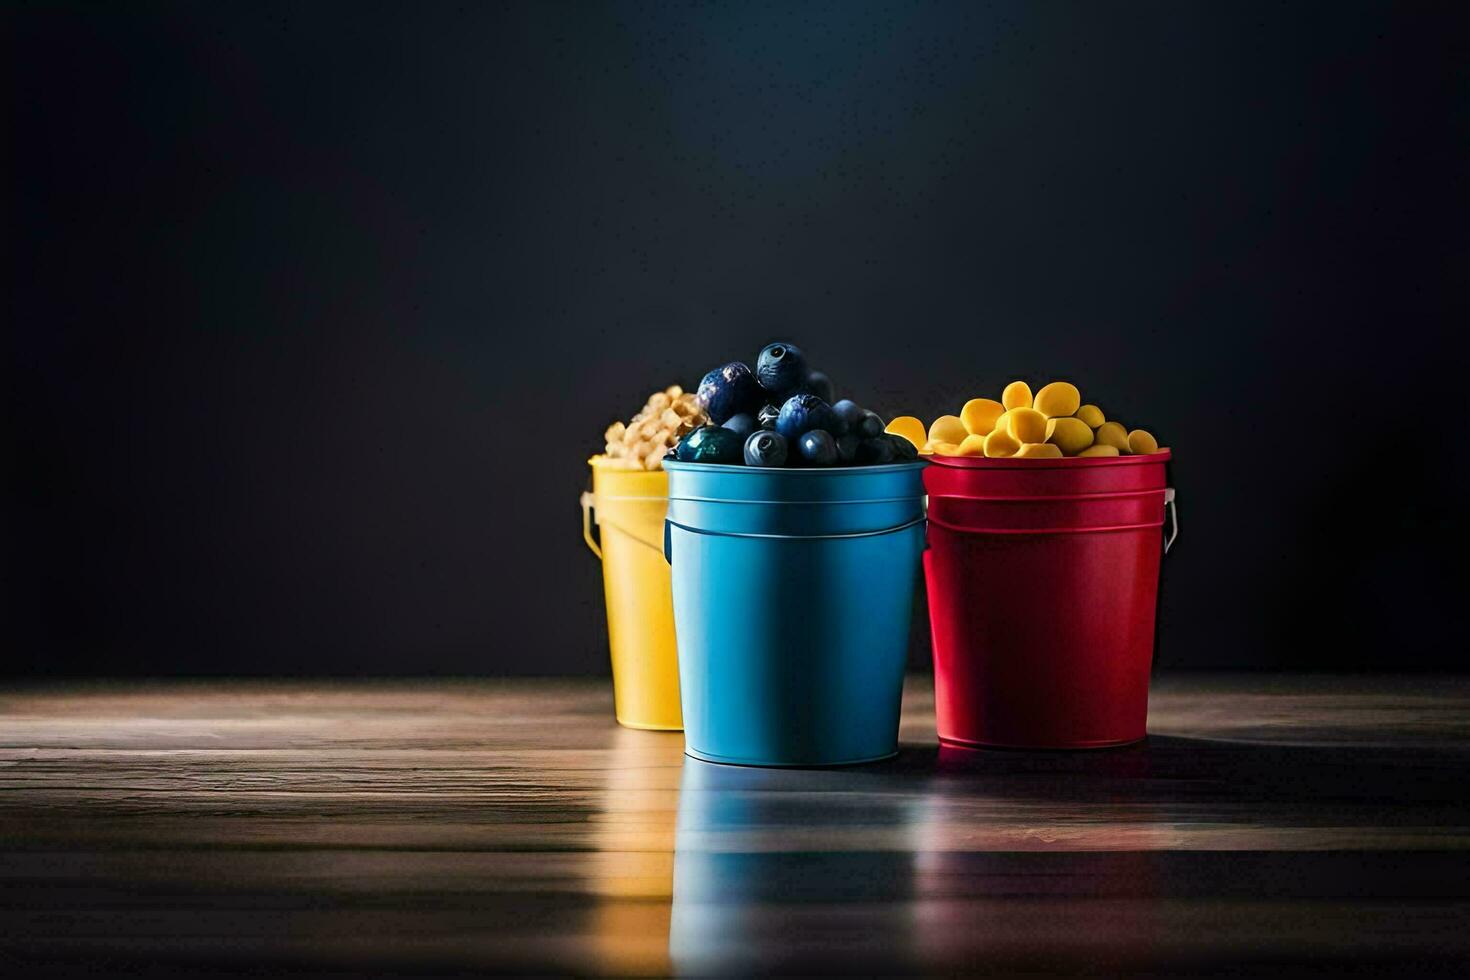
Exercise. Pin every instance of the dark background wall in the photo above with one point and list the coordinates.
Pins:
(317, 310)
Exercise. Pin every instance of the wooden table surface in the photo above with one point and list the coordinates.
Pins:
(1268, 824)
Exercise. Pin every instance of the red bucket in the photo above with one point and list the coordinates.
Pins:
(1043, 585)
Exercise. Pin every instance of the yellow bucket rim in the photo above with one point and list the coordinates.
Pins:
(656, 482)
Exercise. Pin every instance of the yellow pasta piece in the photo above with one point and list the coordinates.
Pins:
(979, 415)
(1092, 415)
(1071, 436)
(1142, 442)
(1026, 425)
(1053, 423)
(1039, 450)
(948, 428)
(1112, 434)
(1016, 395)
(973, 446)
(1058, 399)
(910, 428)
(999, 443)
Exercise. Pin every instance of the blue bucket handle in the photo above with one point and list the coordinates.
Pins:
(669, 526)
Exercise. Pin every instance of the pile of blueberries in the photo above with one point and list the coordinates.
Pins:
(780, 415)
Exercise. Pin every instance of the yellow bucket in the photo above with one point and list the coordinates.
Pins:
(629, 507)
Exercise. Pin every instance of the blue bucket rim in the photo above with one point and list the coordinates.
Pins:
(675, 465)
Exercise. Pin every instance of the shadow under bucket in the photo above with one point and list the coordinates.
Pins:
(792, 591)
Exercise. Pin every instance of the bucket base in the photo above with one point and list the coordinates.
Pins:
(650, 728)
(725, 761)
(1117, 743)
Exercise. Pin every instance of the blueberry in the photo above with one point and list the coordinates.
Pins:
(870, 426)
(818, 384)
(903, 450)
(684, 449)
(875, 450)
(767, 416)
(849, 412)
(781, 369)
(743, 424)
(847, 447)
(711, 444)
(849, 416)
(765, 448)
(803, 413)
(818, 447)
(728, 391)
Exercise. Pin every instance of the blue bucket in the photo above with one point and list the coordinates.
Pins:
(792, 595)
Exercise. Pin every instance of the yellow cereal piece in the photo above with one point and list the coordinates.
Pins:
(1071, 436)
(1112, 434)
(1016, 395)
(1039, 450)
(1099, 450)
(979, 415)
(948, 428)
(1058, 399)
(973, 446)
(945, 449)
(1092, 415)
(1142, 442)
(1026, 425)
(910, 428)
(999, 443)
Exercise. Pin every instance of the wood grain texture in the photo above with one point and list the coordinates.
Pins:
(1267, 825)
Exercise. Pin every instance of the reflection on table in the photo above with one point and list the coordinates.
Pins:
(1268, 823)
(633, 866)
(1250, 838)
(771, 868)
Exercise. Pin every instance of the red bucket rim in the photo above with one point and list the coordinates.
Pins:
(1028, 463)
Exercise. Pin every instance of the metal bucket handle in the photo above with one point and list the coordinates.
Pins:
(589, 506)
(1173, 507)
